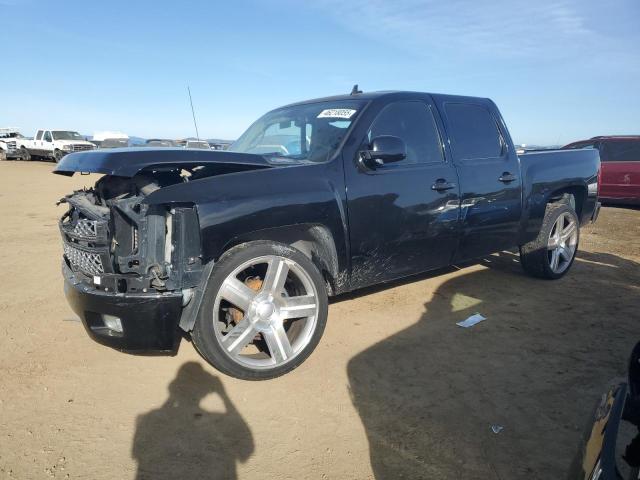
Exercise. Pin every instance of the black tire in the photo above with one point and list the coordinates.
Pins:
(3, 156)
(204, 336)
(25, 155)
(535, 256)
(57, 155)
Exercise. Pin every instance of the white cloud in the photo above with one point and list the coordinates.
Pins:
(517, 28)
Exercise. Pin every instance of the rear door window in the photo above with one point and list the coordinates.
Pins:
(474, 132)
(620, 151)
(47, 136)
(39, 135)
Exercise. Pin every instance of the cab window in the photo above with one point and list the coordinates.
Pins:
(414, 123)
(47, 136)
(474, 132)
(39, 135)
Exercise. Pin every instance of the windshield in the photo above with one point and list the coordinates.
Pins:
(310, 132)
(65, 135)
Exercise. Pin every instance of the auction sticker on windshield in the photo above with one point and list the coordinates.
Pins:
(337, 113)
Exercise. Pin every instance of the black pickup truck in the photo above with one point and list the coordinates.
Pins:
(240, 249)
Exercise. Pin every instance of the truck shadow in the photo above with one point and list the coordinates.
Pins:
(181, 439)
(429, 395)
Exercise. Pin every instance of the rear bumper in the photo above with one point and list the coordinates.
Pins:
(149, 321)
(620, 200)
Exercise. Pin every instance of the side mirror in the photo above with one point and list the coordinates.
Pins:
(384, 149)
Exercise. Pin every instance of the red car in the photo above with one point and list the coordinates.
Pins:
(620, 175)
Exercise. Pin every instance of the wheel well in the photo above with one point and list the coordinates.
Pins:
(574, 195)
(314, 241)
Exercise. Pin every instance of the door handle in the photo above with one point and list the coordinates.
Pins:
(441, 185)
(507, 177)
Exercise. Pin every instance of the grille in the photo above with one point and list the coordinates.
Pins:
(11, 147)
(88, 262)
(86, 228)
(80, 148)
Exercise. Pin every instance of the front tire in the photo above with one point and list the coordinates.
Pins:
(57, 155)
(264, 311)
(552, 253)
(25, 155)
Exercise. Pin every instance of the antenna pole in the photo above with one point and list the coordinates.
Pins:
(193, 113)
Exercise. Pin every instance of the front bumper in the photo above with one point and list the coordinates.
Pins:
(149, 321)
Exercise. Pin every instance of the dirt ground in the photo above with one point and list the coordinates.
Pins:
(394, 390)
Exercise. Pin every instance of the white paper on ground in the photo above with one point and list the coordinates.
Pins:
(497, 428)
(471, 321)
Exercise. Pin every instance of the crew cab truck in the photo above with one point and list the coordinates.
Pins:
(9, 140)
(240, 249)
(53, 145)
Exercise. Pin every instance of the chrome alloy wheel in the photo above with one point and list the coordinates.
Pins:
(265, 312)
(562, 243)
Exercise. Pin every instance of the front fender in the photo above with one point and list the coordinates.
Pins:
(237, 205)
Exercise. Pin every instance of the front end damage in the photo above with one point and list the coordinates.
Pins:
(130, 267)
(133, 267)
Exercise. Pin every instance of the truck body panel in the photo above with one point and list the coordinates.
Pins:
(164, 217)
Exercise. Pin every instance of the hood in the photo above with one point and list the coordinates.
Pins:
(126, 162)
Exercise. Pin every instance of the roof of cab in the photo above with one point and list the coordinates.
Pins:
(379, 94)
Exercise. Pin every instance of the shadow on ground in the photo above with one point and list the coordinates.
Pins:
(183, 439)
(428, 395)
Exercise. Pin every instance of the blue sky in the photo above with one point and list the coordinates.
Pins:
(560, 70)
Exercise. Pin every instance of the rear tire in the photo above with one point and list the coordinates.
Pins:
(552, 253)
(247, 325)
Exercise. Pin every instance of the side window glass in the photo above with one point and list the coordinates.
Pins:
(47, 136)
(581, 145)
(414, 123)
(474, 132)
(39, 135)
(621, 151)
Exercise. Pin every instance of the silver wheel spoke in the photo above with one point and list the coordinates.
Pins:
(237, 293)
(276, 276)
(568, 232)
(239, 337)
(278, 343)
(553, 243)
(555, 259)
(565, 253)
(298, 307)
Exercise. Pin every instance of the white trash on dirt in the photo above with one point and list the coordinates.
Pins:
(471, 321)
(497, 428)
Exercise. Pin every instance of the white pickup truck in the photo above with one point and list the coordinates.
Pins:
(9, 140)
(53, 144)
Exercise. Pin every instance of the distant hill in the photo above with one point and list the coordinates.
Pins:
(133, 140)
